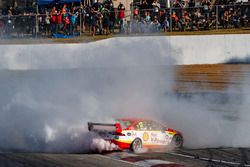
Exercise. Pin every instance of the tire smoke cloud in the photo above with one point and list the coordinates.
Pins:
(45, 103)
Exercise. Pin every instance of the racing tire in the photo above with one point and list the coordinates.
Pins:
(177, 141)
(136, 145)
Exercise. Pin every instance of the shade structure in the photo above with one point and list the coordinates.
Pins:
(48, 2)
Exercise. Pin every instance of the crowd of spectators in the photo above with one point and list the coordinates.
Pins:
(190, 15)
(145, 16)
(17, 20)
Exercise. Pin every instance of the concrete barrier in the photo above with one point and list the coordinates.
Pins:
(127, 51)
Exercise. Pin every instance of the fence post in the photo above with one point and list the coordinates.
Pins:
(81, 23)
(216, 12)
(170, 15)
(37, 28)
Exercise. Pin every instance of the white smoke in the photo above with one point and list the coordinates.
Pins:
(47, 109)
(215, 119)
(118, 52)
(99, 144)
(46, 105)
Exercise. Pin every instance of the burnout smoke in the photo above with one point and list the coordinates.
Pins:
(47, 101)
(50, 92)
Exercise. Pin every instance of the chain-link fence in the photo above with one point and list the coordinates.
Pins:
(134, 21)
(36, 25)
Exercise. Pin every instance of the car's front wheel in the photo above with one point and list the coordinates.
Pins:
(177, 141)
(136, 145)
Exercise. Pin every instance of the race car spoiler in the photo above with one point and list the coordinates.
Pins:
(117, 126)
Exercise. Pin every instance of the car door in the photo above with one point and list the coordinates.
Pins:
(143, 132)
(158, 134)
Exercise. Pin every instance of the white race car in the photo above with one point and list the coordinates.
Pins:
(135, 134)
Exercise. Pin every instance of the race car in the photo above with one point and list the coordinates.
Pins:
(135, 134)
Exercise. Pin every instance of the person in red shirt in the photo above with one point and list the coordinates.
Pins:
(121, 17)
(58, 21)
(53, 15)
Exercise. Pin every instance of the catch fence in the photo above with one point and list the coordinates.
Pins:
(136, 21)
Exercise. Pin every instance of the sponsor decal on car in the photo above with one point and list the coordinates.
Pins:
(157, 141)
(133, 134)
(145, 136)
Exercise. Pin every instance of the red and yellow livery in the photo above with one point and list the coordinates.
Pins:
(135, 134)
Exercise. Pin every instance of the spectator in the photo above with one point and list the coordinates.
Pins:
(175, 20)
(73, 20)
(87, 18)
(136, 11)
(187, 20)
(135, 25)
(143, 8)
(155, 25)
(9, 24)
(145, 22)
(106, 20)
(53, 18)
(225, 19)
(21, 24)
(121, 17)
(59, 21)
(206, 8)
(64, 11)
(112, 17)
(98, 7)
(47, 23)
(93, 21)
(66, 22)
(1, 28)
(147, 17)
(165, 21)
(191, 3)
(212, 20)
(156, 8)
(181, 23)
(178, 4)
(197, 20)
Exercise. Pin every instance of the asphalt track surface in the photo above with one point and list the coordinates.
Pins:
(209, 157)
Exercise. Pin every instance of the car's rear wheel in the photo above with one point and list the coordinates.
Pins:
(177, 141)
(136, 145)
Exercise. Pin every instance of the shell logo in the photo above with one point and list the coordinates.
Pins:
(145, 136)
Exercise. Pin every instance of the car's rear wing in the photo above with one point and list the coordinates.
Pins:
(104, 126)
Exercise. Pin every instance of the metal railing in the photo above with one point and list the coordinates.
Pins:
(135, 21)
